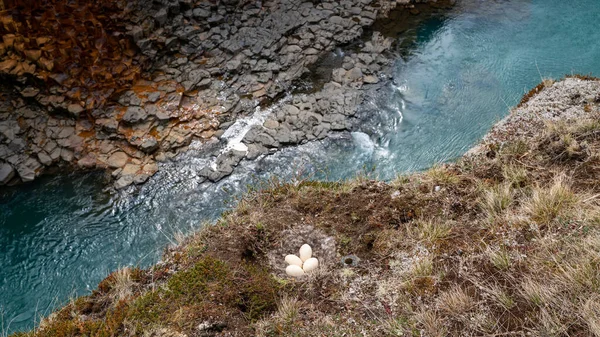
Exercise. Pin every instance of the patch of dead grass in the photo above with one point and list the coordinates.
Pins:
(548, 203)
(494, 200)
(455, 301)
(432, 324)
(590, 311)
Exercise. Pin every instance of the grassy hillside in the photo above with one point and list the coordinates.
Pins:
(506, 241)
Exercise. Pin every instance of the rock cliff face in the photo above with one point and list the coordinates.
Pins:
(210, 63)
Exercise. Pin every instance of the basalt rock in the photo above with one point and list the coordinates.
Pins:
(211, 64)
(135, 114)
(117, 160)
(6, 173)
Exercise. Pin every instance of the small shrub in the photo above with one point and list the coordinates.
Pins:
(258, 292)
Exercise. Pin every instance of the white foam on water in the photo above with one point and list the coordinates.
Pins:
(398, 110)
(236, 132)
(403, 104)
(383, 153)
(363, 142)
(402, 87)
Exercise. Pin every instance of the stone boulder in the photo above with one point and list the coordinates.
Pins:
(117, 160)
(149, 145)
(6, 173)
(134, 114)
(124, 181)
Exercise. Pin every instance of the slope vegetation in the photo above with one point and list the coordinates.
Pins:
(506, 241)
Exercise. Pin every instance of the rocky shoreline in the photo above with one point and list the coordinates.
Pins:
(212, 65)
(568, 99)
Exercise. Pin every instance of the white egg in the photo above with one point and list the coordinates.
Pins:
(293, 260)
(294, 270)
(310, 264)
(305, 252)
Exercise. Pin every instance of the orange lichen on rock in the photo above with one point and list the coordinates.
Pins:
(79, 45)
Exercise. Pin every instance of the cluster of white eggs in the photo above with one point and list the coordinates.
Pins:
(298, 266)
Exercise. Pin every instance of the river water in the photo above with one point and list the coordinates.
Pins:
(455, 76)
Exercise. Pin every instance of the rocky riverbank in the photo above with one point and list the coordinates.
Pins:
(502, 242)
(211, 64)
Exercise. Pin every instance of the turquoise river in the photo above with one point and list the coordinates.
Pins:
(461, 73)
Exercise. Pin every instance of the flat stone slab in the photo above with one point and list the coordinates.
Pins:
(117, 160)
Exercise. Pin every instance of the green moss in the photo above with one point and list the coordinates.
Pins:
(259, 293)
(208, 277)
(248, 288)
(210, 288)
(61, 328)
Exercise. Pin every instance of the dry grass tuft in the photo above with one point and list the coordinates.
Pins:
(583, 275)
(455, 301)
(496, 199)
(122, 284)
(500, 258)
(548, 82)
(537, 293)
(549, 324)
(515, 176)
(432, 324)
(516, 148)
(422, 267)
(431, 231)
(397, 326)
(400, 180)
(590, 311)
(288, 309)
(441, 175)
(501, 297)
(546, 204)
